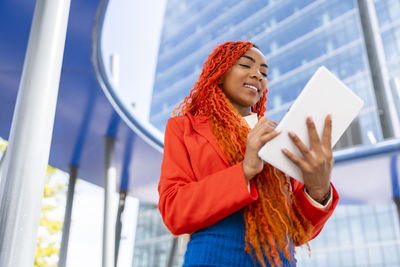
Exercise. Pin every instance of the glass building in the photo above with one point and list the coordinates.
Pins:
(153, 242)
(296, 37)
(388, 13)
(355, 235)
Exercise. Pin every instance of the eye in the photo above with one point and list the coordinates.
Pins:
(264, 74)
(245, 66)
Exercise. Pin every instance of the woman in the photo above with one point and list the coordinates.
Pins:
(239, 210)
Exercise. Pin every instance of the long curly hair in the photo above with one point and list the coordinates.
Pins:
(274, 222)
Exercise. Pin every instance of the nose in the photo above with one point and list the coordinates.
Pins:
(256, 74)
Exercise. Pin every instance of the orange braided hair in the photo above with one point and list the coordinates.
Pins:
(274, 220)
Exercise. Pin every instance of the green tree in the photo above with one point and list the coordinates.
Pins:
(49, 234)
(51, 222)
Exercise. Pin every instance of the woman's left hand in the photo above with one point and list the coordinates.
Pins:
(317, 161)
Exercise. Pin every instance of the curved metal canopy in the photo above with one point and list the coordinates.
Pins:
(84, 116)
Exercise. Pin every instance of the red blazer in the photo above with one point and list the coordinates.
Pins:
(197, 186)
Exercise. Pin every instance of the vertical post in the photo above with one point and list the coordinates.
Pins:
(394, 175)
(378, 69)
(73, 174)
(110, 182)
(109, 209)
(123, 191)
(129, 221)
(395, 85)
(25, 164)
(172, 252)
(118, 226)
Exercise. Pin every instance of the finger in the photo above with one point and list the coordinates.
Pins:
(265, 120)
(259, 125)
(261, 121)
(327, 136)
(293, 158)
(300, 145)
(268, 137)
(271, 123)
(315, 143)
(264, 127)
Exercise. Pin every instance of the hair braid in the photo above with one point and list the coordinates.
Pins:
(274, 220)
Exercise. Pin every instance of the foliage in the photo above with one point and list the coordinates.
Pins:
(50, 226)
(51, 217)
(3, 144)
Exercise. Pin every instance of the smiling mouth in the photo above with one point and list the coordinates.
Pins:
(255, 89)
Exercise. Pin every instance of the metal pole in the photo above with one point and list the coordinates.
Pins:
(25, 164)
(379, 73)
(109, 209)
(394, 174)
(73, 174)
(123, 191)
(395, 85)
(110, 183)
(118, 227)
(172, 252)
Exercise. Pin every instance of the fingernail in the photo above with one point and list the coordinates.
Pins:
(309, 119)
(291, 134)
(284, 150)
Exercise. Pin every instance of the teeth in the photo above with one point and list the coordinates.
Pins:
(251, 87)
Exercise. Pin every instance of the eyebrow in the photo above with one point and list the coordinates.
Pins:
(252, 59)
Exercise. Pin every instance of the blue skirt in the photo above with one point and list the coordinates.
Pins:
(222, 244)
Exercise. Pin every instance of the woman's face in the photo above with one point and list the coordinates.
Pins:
(245, 82)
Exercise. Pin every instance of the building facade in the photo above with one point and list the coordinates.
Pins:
(296, 37)
(153, 242)
(355, 235)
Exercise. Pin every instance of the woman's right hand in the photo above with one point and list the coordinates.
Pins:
(263, 132)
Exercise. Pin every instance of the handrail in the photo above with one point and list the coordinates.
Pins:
(364, 151)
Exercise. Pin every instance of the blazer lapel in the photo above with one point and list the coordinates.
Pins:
(202, 126)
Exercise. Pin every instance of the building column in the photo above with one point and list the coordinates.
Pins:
(73, 175)
(26, 161)
(395, 85)
(378, 68)
(109, 220)
(118, 226)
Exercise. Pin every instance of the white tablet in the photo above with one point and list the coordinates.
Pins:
(323, 94)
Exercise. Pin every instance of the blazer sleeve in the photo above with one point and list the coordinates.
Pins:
(317, 216)
(188, 203)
